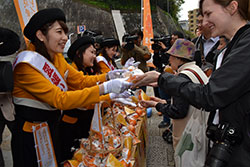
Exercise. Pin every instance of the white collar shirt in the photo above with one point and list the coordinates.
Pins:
(208, 44)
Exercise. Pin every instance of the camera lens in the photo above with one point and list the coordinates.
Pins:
(219, 155)
(129, 46)
(156, 47)
(211, 130)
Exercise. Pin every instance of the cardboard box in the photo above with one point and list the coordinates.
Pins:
(139, 151)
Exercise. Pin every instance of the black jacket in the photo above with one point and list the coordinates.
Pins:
(161, 59)
(227, 90)
(178, 109)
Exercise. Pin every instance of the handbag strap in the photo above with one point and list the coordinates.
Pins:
(196, 75)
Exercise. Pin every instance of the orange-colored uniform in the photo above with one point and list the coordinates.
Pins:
(75, 124)
(102, 98)
(103, 64)
(104, 67)
(31, 84)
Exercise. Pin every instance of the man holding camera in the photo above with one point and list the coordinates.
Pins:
(161, 46)
(9, 44)
(160, 57)
(132, 47)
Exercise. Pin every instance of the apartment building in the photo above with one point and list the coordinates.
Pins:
(192, 19)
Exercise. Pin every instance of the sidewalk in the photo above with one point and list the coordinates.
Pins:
(160, 153)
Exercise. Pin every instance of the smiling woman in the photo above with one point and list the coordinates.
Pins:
(108, 52)
(83, 55)
(227, 93)
(42, 80)
(53, 37)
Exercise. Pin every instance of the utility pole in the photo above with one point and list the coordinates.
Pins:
(142, 12)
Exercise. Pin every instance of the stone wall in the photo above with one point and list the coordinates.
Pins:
(78, 13)
(133, 21)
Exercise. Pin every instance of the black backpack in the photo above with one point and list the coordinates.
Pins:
(6, 77)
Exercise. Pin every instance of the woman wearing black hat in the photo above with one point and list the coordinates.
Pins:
(75, 124)
(9, 44)
(106, 57)
(42, 78)
(83, 54)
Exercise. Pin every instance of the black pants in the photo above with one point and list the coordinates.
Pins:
(24, 141)
(11, 126)
(71, 133)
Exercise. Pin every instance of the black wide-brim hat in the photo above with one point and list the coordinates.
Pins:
(9, 42)
(84, 40)
(109, 42)
(41, 18)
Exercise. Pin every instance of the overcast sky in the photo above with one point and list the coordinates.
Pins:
(188, 5)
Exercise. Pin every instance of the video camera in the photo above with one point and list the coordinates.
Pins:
(164, 39)
(224, 137)
(129, 41)
(97, 37)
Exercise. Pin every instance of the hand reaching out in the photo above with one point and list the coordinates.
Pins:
(116, 86)
(117, 73)
(148, 103)
(126, 101)
(156, 99)
(124, 94)
(131, 62)
(146, 79)
(152, 102)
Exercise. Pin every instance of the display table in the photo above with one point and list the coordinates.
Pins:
(139, 151)
(138, 137)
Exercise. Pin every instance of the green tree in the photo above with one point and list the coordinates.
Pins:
(176, 8)
(173, 7)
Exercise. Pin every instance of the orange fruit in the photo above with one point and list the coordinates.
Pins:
(132, 122)
(131, 128)
(139, 111)
(169, 69)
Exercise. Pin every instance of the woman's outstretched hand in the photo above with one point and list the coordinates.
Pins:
(146, 79)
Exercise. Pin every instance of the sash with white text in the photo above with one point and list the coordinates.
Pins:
(41, 64)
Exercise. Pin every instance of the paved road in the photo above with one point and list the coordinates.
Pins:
(160, 153)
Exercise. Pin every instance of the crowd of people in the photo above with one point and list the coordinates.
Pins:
(200, 86)
(226, 94)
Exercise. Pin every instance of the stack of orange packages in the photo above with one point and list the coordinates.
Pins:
(114, 147)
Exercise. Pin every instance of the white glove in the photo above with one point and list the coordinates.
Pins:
(116, 86)
(116, 74)
(126, 101)
(124, 94)
(131, 62)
